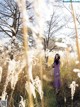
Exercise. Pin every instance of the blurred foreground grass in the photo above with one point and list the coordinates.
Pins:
(50, 98)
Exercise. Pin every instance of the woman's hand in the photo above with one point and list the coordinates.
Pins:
(52, 65)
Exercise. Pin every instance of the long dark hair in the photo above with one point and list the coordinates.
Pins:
(11, 57)
(57, 60)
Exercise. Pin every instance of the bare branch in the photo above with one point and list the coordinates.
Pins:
(5, 31)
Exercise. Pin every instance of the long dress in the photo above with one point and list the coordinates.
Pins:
(57, 81)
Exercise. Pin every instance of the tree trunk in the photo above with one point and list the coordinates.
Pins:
(46, 57)
(76, 31)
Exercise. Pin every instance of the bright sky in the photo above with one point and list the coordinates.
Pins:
(68, 18)
(62, 12)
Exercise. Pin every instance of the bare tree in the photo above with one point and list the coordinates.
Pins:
(10, 18)
(54, 25)
(75, 19)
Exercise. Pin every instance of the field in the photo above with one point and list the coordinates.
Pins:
(50, 98)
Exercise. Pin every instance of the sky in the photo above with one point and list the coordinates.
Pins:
(62, 12)
(71, 0)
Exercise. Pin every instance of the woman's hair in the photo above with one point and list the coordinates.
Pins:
(57, 60)
(11, 57)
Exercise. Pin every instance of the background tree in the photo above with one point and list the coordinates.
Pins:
(10, 18)
(54, 25)
(76, 24)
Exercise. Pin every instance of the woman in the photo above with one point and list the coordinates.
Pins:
(56, 66)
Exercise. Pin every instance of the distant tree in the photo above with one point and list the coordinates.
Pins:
(10, 18)
(54, 25)
(75, 19)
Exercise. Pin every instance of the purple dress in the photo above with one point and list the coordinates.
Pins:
(57, 82)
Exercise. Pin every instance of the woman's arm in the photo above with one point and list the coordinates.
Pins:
(53, 65)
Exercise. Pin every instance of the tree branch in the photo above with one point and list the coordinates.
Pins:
(5, 32)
